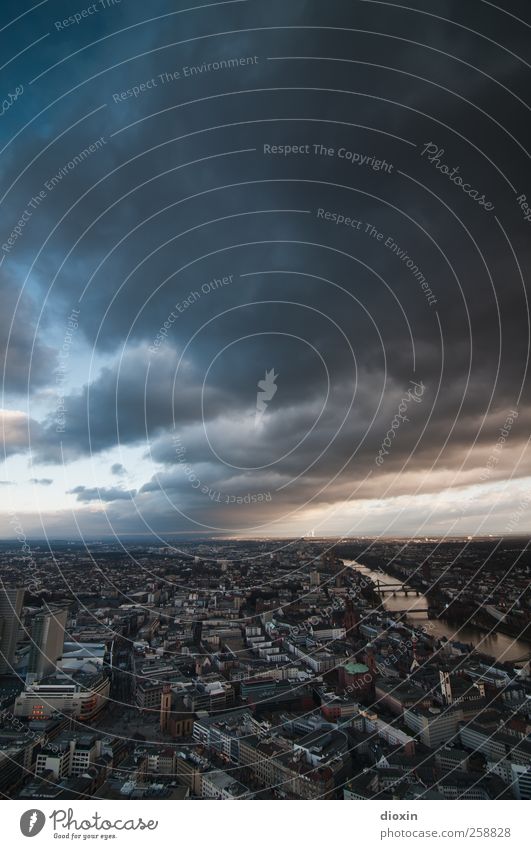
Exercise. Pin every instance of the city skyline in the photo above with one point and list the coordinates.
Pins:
(228, 670)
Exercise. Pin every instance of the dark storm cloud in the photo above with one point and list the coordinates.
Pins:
(26, 361)
(128, 403)
(144, 251)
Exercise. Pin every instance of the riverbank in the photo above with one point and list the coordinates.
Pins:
(490, 642)
(437, 600)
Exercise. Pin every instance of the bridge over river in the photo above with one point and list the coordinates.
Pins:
(393, 592)
(383, 587)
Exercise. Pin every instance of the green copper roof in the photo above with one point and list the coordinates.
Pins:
(356, 668)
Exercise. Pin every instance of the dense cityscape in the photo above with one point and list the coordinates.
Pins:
(302, 669)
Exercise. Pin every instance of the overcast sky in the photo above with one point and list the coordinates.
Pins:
(263, 267)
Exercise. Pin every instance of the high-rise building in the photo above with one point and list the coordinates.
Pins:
(446, 686)
(10, 607)
(165, 707)
(351, 619)
(47, 636)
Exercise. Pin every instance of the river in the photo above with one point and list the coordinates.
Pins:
(495, 644)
